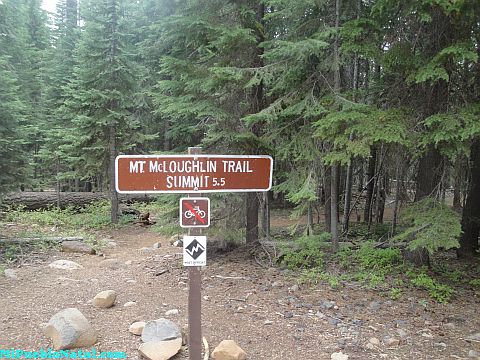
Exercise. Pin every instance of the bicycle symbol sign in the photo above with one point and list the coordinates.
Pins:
(194, 212)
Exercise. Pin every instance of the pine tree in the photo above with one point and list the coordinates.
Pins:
(100, 95)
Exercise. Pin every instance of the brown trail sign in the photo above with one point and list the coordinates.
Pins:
(193, 173)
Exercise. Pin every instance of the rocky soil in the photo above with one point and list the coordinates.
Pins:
(262, 309)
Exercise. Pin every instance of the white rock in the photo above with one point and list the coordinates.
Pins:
(228, 350)
(129, 303)
(157, 245)
(172, 312)
(105, 299)
(65, 265)
(473, 338)
(160, 330)
(137, 327)
(128, 262)
(160, 350)
(69, 329)
(339, 356)
(374, 341)
(77, 247)
(473, 354)
(10, 273)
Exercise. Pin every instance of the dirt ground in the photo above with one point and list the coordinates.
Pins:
(259, 308)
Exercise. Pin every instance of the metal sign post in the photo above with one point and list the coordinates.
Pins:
(194, 296)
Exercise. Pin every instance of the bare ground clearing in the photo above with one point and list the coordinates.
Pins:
(257, 307)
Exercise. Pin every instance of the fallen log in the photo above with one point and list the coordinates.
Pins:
(50, 199)
(19, 241)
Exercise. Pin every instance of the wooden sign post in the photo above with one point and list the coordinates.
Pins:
(193, 174)
(194, 295)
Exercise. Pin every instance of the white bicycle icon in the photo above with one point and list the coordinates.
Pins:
(189, 213)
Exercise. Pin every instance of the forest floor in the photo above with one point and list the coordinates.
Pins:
(263, 309)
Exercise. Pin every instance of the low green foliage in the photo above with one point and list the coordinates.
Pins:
(430, 225)
(474, 283)
(381, 260)
(396, 293)
(306, 252)
(93, 216)
(440, 292)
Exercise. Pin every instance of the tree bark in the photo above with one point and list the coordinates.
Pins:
(471, 211)
(370, 184)
(327, 191)
(252, 217)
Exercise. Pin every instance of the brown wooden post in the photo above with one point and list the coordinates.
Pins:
(194, 294)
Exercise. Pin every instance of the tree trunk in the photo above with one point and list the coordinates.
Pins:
(457, 184)
(327, 191)
(471, 211)
(370, 184)
(429, 175)
(309, 219)
(266, 216)
(334, 207)
(252, 217)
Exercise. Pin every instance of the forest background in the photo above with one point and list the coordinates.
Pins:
(362, 104)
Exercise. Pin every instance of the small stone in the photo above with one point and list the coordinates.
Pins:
(137, 327)
(334, 321)
(128, 262)
(172, 312)
(357, 322)
(129, 303)
(160, 330)
(392, 342)
(374, 306)
(77, 247)
(277, 284)
(402, 333)
(70, 329)
(145, 249)
(112, 244)
(449, 326)
(174, 238)
(228, 350)
(288, 315)
(320, 315)
(157, 245)
(473, 354)
(105, 299)
(112, 264)
(268, 322)
(131, 281)
(370, 346)
(327, 305)
(10, 273)
(473, 338)
(160, 350)
(339, 356)
(65, 265)
(178, 243)
(440, 345)
(374, 341)
(294, 288)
